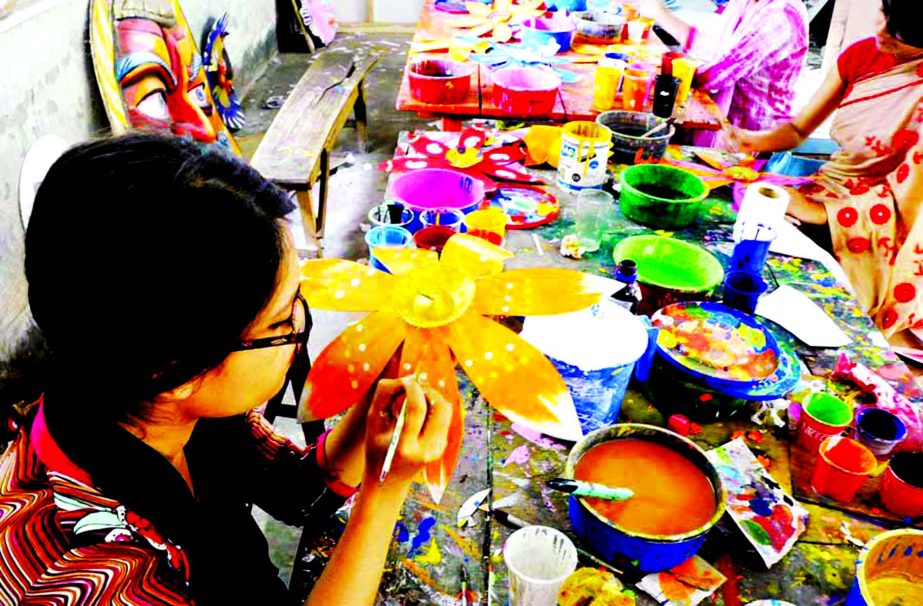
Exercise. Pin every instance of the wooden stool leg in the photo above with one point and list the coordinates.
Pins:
(360, 109)
(308, 223)
(322, 202)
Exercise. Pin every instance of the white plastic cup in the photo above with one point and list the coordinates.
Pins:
(539, 559)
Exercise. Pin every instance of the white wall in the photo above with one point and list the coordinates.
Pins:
(49, 87)
(385, 11)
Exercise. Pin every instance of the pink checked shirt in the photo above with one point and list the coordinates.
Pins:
(756, 61)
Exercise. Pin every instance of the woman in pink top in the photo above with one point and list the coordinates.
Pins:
(752, 69)
(871, 191)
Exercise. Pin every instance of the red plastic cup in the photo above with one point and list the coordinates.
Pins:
(842, 467)
(822, 416)
(902, 485)
(433, 237)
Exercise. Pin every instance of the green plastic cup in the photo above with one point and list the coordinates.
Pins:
(822, 416)
(661, 196)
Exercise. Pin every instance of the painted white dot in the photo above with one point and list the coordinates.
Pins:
(415, 164)
(407, 366)
(505, 308)
(366, 367)
(499, 157)
(506, 174)
(361, 346)
(360, 327)
(434, 148)
(510, 347)
(441, 383)
(509, 286)
(507, 298)
(371, 272)
(423, 376)
(339, 294)
(472, 141)
(355, 282)
(469, 363)
(488, 355)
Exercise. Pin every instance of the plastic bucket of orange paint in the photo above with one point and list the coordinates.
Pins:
(843, 465)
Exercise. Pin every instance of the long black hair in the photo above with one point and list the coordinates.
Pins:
(903, 21)
(147, 258)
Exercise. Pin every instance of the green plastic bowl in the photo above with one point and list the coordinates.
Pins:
(661, 196)
(669, 270)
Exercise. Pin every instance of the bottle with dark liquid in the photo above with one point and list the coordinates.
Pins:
(628, 297)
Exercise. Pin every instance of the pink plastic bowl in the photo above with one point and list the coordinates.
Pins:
(429, 188)
(525, 91)
(439, 81)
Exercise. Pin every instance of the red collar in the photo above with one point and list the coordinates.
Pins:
(50, 454)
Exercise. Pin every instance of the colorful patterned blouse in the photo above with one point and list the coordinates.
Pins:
(64, 541)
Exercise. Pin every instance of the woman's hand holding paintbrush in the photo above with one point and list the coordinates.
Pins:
(407, 428)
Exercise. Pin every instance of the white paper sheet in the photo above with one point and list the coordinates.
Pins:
(799, 315)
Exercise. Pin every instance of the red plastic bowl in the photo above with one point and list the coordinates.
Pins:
(525, 91)
(438, 81)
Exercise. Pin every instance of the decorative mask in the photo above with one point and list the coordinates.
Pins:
(150, 72)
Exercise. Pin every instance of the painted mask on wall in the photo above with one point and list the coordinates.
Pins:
(150, 73)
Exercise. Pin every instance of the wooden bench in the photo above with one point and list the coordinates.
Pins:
(295, 152)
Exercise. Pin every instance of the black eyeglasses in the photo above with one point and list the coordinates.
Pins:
(296, 337)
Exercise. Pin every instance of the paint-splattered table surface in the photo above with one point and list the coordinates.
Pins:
(431, 548)
(575, 101)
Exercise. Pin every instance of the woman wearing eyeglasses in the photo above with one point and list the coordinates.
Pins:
(870, 192)
(166, 286)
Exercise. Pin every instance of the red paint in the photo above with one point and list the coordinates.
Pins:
(889, 319)
(730, 591)
(902, 173)
(525, 91)
(491, 236)
(902, 485)
(433, 237)
(439, 82)
(905, 292)
(847, 217)
(858, 245)
(672, 495)
(679, 424)
(880, 214)
(843, 465)
(904, 139)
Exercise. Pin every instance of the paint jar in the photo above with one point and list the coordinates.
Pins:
(629, 11)
(684, 69)
(595, 350)
(584, 155)
(606, 81)
(902, 485)
(488, 224)
(742, 290)
(822, 416)
(666, 62)
(889, 570)
(391, 214)
(879, 430)
(447, 217)
(636, 88)
(433, 237)
(648, 26)
(636, 29)
(752, 248)
(539, 559)
(386, 236)
(843, 465)
(665, 87)
(594, 210)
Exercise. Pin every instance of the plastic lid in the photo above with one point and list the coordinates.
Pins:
(627, 271)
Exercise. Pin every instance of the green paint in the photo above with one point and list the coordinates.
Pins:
(756, 532)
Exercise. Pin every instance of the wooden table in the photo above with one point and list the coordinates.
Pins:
(575, 102)
(430, 549)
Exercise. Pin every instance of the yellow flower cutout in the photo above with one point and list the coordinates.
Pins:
(439, 309)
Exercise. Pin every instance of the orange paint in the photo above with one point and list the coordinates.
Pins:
(672, 496)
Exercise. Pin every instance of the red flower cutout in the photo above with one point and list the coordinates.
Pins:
(904, 139)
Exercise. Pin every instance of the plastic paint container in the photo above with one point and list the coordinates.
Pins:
(661, 196)
(669, 270)
(889, 570)
(902, 485)
(542, 30)
(539, 559)
(488, 224)
(595, 351)
(386, 236)
(822, 416)
(383, 215)
(431, 188)
(448, 217)
(433, 237)
(652, 551)
(627, 128)
(438, 81)
(879, 430)
(584, 157)
(843, 465)
(525, 91)
(742, 290)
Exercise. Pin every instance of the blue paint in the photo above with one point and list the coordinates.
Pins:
(750, 256)
(597, 394)
(423, 534)
(761, 507)
(400, 533)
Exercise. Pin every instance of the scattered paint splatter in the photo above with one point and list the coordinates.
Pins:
(470, 548)
(432, 556)
(536, 437)
(423, 534)
(400, 533)
(519, 456)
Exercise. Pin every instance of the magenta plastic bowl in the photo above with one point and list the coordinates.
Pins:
(525, 91)
(429, 188)
(438, 81)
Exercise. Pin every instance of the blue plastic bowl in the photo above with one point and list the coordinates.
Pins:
(653, 553)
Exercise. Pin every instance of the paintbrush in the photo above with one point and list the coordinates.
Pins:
(464, 584)
(513, 522)
(589, 489)
(395, 437)
(665, 124)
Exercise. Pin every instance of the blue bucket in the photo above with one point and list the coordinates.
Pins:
(595, 351)
(386, 236)
(897, 554)
(609, 540)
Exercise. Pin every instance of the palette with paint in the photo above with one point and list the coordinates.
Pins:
(723, 346)
(526, 206)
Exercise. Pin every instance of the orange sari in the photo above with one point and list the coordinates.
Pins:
(872, 189)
